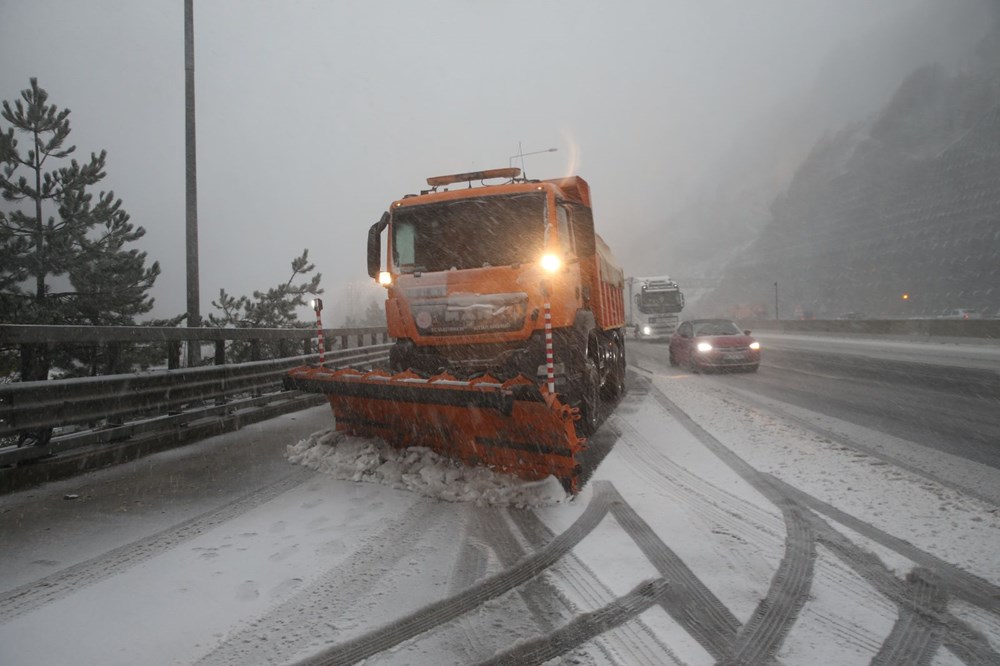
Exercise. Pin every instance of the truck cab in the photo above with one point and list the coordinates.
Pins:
(654, 304)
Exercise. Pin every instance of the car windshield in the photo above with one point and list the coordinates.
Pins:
(716, 328)
(469, 233)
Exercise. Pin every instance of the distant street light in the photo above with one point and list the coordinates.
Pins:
(522, 155)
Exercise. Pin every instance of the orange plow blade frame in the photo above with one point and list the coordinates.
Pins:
(514, 427)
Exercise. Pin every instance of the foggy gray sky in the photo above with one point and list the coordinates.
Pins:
(313, 115)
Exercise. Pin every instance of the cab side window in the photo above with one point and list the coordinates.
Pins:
(566, 244)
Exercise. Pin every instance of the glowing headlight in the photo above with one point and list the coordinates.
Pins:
(646, 330)
(385, 278)
(704, 347)
(754, 345)
(551, 263)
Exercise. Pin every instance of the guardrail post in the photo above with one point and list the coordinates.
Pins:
(255, 349)
(113, 365)
(220, 352)
(344, 344)
(173, 354)
(34, 362)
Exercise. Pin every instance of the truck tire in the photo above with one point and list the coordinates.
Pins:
(615, 385)
(623, 368)
(590, 398)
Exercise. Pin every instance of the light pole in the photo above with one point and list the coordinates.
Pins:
(191, 187)
(522, 155)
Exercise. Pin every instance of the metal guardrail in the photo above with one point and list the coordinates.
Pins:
(984, 329)
(100, 410)
(172, 338)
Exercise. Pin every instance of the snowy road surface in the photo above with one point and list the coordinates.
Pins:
(736, 519)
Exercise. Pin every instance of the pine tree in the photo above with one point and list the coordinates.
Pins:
(60, 235)
(375, 314)
(274, 308)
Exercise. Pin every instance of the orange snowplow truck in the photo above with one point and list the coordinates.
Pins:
(508, 317)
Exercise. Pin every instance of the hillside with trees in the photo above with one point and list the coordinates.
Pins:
(906, 203)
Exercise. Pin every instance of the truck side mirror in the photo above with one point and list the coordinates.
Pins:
(375, 245)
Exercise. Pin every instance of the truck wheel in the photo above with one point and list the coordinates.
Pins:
(620, 370)
(614, 385)
(590, 398)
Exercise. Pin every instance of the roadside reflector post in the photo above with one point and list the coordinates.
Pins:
(317, 305)
(550, 367)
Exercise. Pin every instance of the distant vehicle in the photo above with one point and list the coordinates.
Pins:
(652, 306)
(853, 315)
(962, 313)
(707, 344)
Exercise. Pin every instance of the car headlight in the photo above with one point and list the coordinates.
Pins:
(704, 347)
(755, 345)
(646, 330)
(551, 263)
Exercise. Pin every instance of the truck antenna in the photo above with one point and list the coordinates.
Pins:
(521, 155)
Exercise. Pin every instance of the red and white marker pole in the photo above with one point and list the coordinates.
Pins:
(317, 304)
(550, 368)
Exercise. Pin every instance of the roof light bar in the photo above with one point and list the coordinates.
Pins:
(437, 181)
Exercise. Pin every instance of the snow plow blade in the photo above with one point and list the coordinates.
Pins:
(513, 426)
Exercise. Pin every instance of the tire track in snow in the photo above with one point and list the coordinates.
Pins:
(763, 635)
(689, 602)
(438, 613)
(318, 612)
(961, 584)
(584, 627)
(916, 636)
(470, 567)
(631, 643)
(32, 595)
(958, 636)
(843, 440)
(761, 638)
(488, 530)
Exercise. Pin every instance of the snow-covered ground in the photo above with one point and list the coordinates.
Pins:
(955, 352)
(727, 501)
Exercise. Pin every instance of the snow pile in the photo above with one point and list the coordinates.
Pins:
(420, 470)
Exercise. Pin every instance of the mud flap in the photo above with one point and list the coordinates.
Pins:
(514, 426)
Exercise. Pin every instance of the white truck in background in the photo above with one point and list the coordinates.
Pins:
(652, 306)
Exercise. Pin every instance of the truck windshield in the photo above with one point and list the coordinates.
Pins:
(469, 233)
(658, 302)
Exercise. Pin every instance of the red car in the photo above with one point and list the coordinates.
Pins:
(706, 344)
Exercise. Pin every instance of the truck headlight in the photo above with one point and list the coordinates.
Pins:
(551, 263)
(704, 347)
